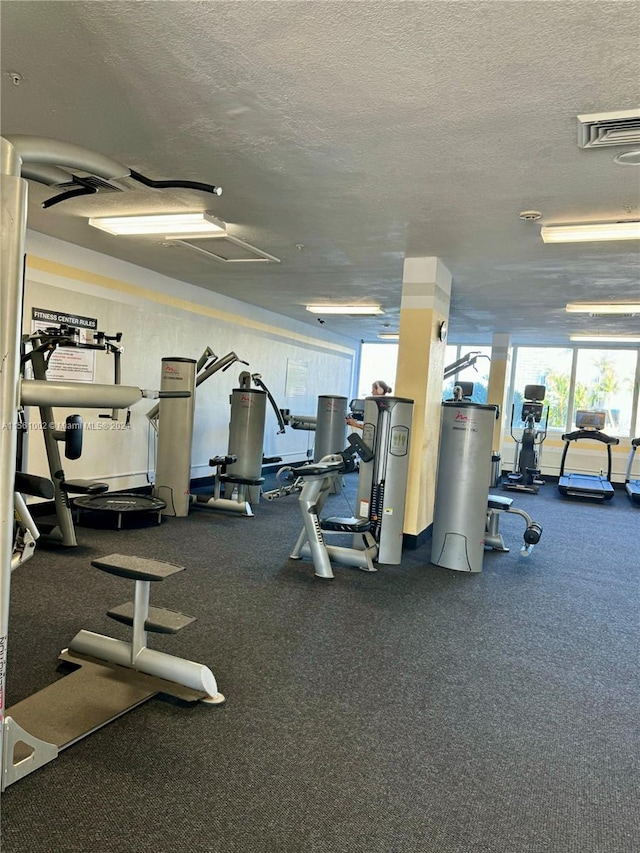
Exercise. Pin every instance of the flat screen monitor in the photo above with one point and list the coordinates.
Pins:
(586, 419)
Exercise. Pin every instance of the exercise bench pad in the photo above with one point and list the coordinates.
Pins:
(241, 481)
(499, 502)
(136, 568)
(85, 487)
(346, 525)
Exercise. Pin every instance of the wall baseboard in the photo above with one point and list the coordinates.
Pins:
(412, 541)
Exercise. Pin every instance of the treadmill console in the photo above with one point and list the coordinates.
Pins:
(586, 419)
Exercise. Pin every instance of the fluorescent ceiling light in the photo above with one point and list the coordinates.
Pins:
(593, 232)
(609, 339)
(389, 336)
(193, 224)
(603, 307)
(345, 309)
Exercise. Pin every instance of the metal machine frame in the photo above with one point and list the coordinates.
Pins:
(632, 486)
(26, 746)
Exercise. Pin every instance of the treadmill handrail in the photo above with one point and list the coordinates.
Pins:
(594, 434)
(635, 443)
(581, 434)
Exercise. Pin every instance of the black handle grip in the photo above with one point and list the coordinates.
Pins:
(73, 437)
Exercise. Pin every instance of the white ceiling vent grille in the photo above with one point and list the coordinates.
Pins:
(601, 129)
(608, 316)
(229, 250)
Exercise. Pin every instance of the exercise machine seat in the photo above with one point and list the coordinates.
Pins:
(345, 525)
(84, 487)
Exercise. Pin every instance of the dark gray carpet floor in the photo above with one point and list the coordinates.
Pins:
(415, 710)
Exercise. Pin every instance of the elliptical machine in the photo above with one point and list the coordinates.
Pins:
(525, 476)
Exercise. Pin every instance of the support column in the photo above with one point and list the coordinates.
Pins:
(499, 384)
(426, 292)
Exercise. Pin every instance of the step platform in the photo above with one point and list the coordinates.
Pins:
(160, 620)
(136, 568)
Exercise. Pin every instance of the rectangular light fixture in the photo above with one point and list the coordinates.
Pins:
(345, 309)
(389, 336)
(192, 224)
(606, 339)
(592, 232)
(603, 308)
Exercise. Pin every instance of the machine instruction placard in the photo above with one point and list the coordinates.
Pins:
(68, 364)
(297, 373)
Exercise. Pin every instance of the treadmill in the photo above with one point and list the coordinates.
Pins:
(632, 486)
(588, 486)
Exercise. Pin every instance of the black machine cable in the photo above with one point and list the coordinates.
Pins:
(189, 185)
(67, 195)
(87, 188)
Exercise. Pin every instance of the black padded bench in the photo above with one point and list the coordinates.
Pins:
(499, 502)
(345, 525)
(221, 462)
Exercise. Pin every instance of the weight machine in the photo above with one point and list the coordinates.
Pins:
(316, 480)
(330, 429)
(238, 475)
(329, 426)
(466, 519)
(37, 350)
(377, 527)
(172, 420)
(30, 734)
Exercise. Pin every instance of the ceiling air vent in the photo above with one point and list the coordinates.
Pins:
(601, 129)
(608, 316)
(101, 185)
(228, 250)
(89, 181)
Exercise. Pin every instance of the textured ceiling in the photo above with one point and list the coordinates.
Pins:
(347, 136)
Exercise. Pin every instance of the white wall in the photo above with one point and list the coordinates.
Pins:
(161, 317)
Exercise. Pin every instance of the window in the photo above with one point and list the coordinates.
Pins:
(478, 373)
(604, 381)
(377, 361)
(546, 366)
(380, 361)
